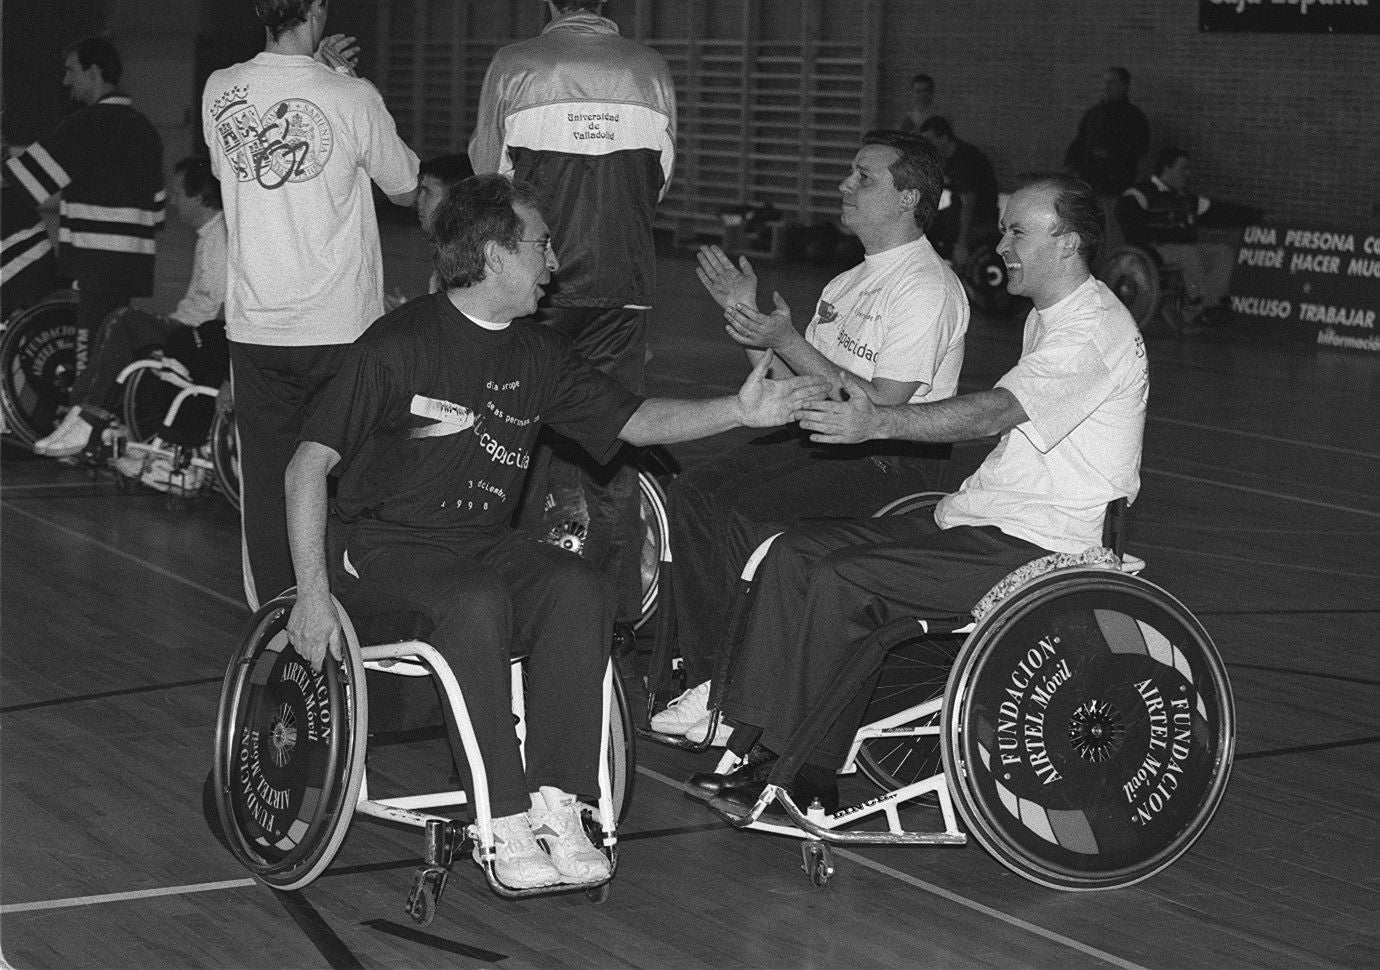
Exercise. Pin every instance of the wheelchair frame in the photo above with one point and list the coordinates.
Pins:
(1048, 845)
(246, 784)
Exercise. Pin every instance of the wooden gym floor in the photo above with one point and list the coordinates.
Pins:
(1259, 510)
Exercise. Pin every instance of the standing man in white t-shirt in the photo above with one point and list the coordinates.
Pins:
(1071, 416)
(897, 322)
(295, 144)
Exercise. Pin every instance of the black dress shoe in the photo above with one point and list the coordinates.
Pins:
(737, 801)
(757, 764)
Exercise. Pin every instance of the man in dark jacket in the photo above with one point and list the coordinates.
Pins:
(589, 117)
(1112, 138)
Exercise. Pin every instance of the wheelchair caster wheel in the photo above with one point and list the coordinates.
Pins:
(818, 862)
(599, 894)
(427, 887)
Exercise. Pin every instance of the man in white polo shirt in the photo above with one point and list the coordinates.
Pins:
(295, 145)
(1071, 416)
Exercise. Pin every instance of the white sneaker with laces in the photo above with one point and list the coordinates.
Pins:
(519, 862)
(70, 437)
(684, 712)
(558, 827)
(700, 729)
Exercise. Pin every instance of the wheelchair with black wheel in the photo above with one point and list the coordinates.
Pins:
(38, 364)
(1151, 289)
(1079, 725)
(290, 763)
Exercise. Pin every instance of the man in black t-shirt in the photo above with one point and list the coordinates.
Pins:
(430, 424)
(971, 182)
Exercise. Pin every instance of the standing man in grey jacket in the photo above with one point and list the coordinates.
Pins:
(589, 117)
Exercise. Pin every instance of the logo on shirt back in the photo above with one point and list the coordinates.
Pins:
(447, 417)
(290, 142)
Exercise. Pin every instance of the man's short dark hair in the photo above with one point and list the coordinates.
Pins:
(280, 16)
(477, 211)
(922, 79)
(1122, 73)
(99, 51)
(1168, 157)
(447, 169)
(938, 126)
(197, 180)
(1076, 210)
(570, 6)
(919, 168)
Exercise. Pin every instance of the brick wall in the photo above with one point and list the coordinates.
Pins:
(1290, 122)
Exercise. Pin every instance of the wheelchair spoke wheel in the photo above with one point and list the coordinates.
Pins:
(1088, 730)
(656, 529)
(1130, 272)
(38, 363)
(225, 457)
(146, 401)
(913, 673)
(290, 745)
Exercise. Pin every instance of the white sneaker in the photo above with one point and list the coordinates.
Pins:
(70, 438)
(519, 862)
(700, 729)
(684, 712)
(558, 827)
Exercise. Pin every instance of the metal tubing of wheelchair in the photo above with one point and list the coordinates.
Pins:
(607, 811)
(193, 390)
(479, 781)
(169, 370)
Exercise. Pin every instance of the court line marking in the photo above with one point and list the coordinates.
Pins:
(129, 557)
(1269, 563)
(1261, 491)
(197, 887)
(945, 894)
(1264, 437)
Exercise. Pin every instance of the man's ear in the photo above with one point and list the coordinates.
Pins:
(910, 198)
(493, 258)
(1068, 244)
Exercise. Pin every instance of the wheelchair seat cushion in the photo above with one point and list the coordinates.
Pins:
(1092, 556)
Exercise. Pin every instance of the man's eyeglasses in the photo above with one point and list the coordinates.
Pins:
(543, 244)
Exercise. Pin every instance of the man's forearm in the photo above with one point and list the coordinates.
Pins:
(305, 486)
(664, 421)
(960, 418)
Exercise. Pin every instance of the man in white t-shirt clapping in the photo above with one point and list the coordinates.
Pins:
(295, 140)
(897, 323)
(1071, 417)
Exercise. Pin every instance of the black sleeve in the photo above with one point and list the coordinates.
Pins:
(588, 405)
(352, 406)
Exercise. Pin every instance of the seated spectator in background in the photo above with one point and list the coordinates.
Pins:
(435, 177)
(972, 186)
(922, 104)
(1071, 415)
(896, 322)
(128, 332)
(1161, 214)
(431, 421)
(1113, 136)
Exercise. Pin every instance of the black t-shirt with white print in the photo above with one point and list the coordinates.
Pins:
(435, 417)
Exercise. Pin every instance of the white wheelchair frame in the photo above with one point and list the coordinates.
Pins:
(936, 718)
(445, 838)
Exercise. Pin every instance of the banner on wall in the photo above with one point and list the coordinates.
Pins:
(1318, 283)
(1290, 16)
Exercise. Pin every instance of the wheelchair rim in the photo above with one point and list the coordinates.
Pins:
(283, 828)
(1131, 274)
(225, 457)
(38, 361)
(1088, 730)
(655, 529)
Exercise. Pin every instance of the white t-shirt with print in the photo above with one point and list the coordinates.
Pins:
(901, 314)
(295, 145)
(1083, 380)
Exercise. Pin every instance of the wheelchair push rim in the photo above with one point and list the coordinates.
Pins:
(38, 363)
(1088, 730)
(1130, 272)
(289, 757)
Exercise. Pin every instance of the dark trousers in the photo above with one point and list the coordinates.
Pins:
(116, 343)
(93, 306)
(605, 497)
(274, 390)
(479, 598)
(721, 510)
(823, 588)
